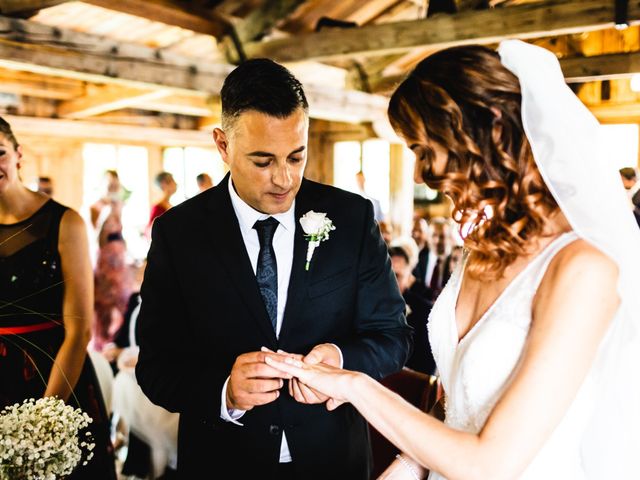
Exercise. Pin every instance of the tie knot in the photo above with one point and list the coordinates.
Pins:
(266, 228)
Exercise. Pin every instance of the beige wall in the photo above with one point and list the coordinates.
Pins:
(60, 159)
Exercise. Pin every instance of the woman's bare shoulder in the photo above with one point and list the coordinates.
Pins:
(580, 267)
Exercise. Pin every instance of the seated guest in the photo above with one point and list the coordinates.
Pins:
(386, 230)
(632, 186)
(204, 182)
(45, 185)
(418, 307)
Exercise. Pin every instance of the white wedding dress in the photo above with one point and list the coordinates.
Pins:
(476, 371)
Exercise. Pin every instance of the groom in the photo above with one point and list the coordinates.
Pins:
(227, 275)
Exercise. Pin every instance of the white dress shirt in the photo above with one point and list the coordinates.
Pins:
(432, 258)
(283, 248)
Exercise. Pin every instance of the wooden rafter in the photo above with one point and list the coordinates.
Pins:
(600, 67)
(171, 12)
(264, 18)
(533, 20)
(30, 85)
(88, 130)
(107, 98)
(46, 50)
(19, 7)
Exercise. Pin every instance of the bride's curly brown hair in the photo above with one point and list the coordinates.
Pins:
(466, 101)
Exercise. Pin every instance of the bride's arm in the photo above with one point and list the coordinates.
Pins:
(573, 308)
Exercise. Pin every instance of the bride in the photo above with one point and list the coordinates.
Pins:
(536, 334)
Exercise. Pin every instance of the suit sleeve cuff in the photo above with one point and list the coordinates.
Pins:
(339, 353)
(229, 415)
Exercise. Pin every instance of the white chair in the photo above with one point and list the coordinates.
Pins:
(105, 376)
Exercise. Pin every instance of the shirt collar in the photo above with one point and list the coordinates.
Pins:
(248, 216)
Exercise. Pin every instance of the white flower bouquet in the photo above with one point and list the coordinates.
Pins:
(40, 439)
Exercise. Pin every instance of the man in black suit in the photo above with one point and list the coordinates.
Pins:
(631, 185)
(229, 276)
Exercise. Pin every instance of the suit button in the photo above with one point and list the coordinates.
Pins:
(274, 429)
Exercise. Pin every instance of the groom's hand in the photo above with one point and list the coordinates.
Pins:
(252, 382)
(323, 353)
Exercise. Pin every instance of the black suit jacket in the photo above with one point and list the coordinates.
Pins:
(201, 308)
(420, 270)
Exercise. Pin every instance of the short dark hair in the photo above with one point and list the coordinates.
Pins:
(261, 85)
(201, 177)
(628, 172)
(399, 252)
(44, 179)
(5, 129)
(162, 177)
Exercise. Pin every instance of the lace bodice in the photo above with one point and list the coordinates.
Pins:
(476, 371)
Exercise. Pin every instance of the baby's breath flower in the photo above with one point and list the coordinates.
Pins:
(39, 439)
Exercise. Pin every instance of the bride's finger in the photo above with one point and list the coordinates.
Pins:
(289, 365)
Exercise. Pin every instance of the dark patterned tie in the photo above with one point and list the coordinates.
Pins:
(267, 269)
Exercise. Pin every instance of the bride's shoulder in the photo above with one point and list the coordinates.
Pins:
(580, 264)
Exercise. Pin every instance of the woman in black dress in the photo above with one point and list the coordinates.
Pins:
(46, 303)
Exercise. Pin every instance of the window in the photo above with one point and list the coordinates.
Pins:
(185, 164)
(370, 156)
(131, 163)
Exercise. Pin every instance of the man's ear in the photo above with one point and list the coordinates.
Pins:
(220, 139)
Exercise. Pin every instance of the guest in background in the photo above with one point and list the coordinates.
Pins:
(437, 242)
(112, 277)
(45, 185)
(46, 306)
(418, 307)
(420, 235)
(454, 259)
(204, 181)
(165, 182)
(386, 230)
(632, 186)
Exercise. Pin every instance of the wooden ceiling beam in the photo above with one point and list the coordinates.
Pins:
(533, 20)
(45, 50)
(264, 18)
(600, 67)
(195, 106)
(171, 12)
(89, 130)
(30, 85)
(29, 46)
(19, 7)
(107, 98)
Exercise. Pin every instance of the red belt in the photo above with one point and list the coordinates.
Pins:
(29, 328)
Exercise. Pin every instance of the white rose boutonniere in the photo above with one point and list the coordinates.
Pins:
(316, 228)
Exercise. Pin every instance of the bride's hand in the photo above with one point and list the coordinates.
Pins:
(331, 381)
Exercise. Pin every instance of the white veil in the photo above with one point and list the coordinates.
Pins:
(564, 138)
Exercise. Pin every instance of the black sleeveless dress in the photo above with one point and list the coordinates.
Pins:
(32, 329)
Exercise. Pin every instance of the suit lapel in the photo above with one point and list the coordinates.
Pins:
(226, 239)
(299, 276)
